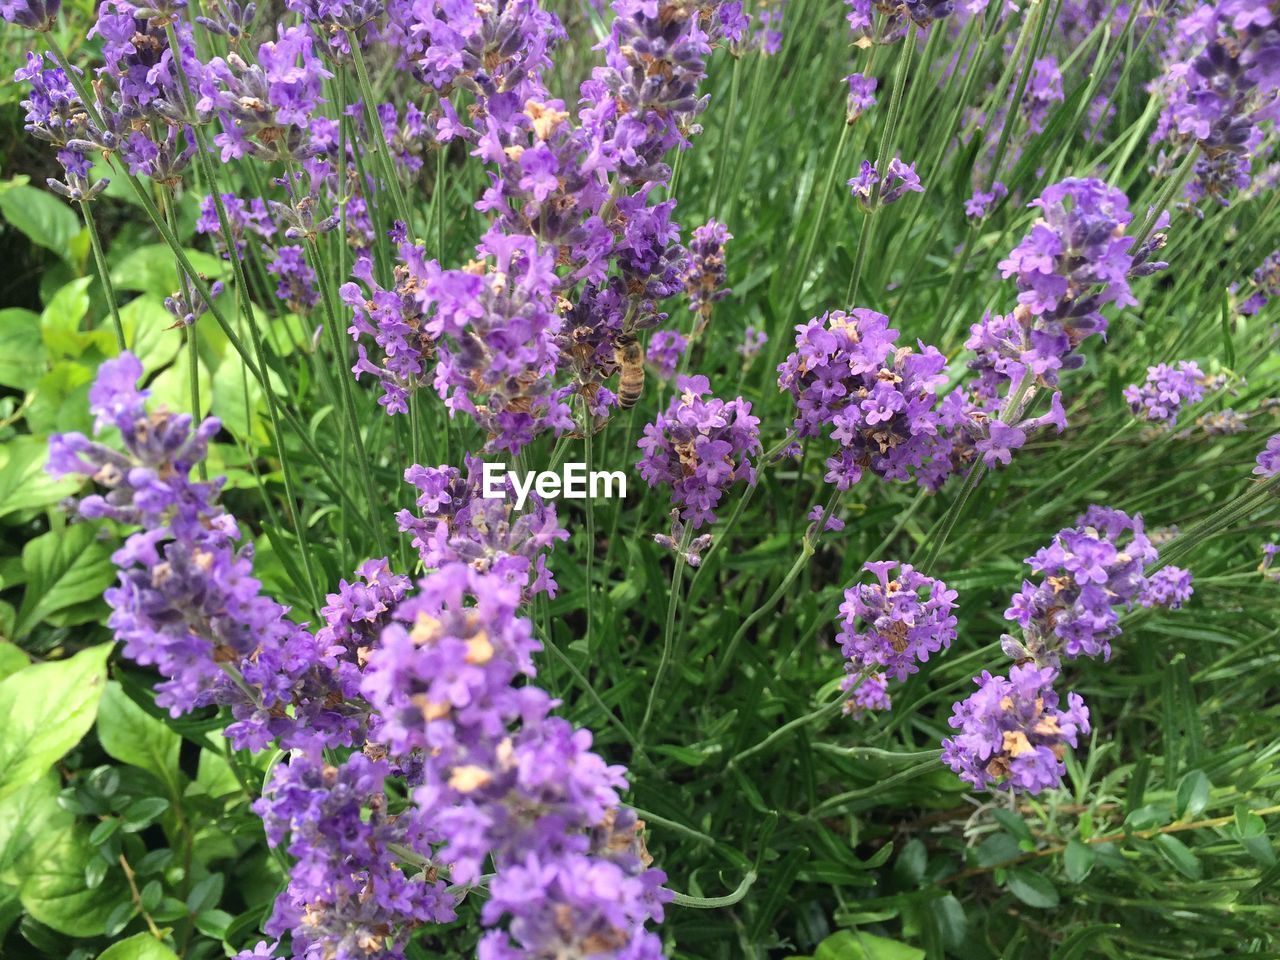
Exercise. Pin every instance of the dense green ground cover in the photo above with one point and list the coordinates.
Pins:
(834, 837)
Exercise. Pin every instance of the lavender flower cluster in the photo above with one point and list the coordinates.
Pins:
(1166, 390)
(1011, 732)
(700, 447)
(889, 627)
(433, 688)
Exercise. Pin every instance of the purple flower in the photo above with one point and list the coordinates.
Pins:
(1266, 285)
(861, 95)
(1011, 732)
(666, 347)
(1165, 391)
(897, 622)
(1167, 587)
(898, 179)
(753, 342)
(503, 781)
(37, 15)
(1090, 572)
(700, 447)
(849, 377)
(869, 693)
(982, 202)
(1269, 459)
(705, 271)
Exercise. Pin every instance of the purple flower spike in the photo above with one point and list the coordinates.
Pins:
(700, 447)
(903, 618)
(1166, 390)
(1012, 735)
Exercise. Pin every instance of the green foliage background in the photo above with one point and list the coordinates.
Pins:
(837, 839)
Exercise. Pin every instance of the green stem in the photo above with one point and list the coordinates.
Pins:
(715, 903)
(104, 274)
(668, 632)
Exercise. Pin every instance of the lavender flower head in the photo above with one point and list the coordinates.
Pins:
(866, 693)
(1268, 460)
(1168, 587)
(873, 191)
(1089, 573)
(848, 375)
(862, 97)
(666, 347)
(1011, 732)
(1166, 390)
(904, 617)
(700, 447)
(37, 15)
(704, 275)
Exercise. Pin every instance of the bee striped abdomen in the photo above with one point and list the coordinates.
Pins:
(630, 361)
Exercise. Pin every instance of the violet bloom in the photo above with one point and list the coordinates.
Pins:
(705, 272)
(1266, 285)
(862, 98)
(505, 782)
(1220, 84)
(849, 378)
(37, 15)
(1267, 567)
(980, 204)
(1268, 461)
(186, 602)
(700, 447)
(1012, 734)
(347, 895)
(456, 523)
(1166, 390)
(873, 191)
(675, 542)
(897, 622)
(869, 693)
(666, 347)
(1090, 572)
(1167, 587)
(55, 115)
(297, 281)
(753, 342)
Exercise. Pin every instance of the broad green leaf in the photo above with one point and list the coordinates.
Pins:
(44, 711)
(236, 398)
(133, 736)
(1193, 795)
(857, 945)
(148, 329)
(22, 353)
(12, 659)
(29, 820)
(24, 484)
(1179, 856)
(1033, 889)
(141, 946)
(64, 567)
(151, 269)
(45, 220)
(60, 322)
(61, 400)
(53, 890)
(172, 388)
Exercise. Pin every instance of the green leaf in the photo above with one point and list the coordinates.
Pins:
(1033, 889)
(141, 946)
(1179, 856)
(142, 813)
(61, 399)
(148, 331)
(12, 659)
(44, 219)
(1193, 794)
(54, 892)
(60, 322)
(44, 711)
(133, 736)
(29, 818)
(22, 353)
(214, 923)
(858, 945)
(24, 485)
(1077, 860)
(63, 567)
(172, 388)
(151, 269)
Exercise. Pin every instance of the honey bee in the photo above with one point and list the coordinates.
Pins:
(630, 361)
